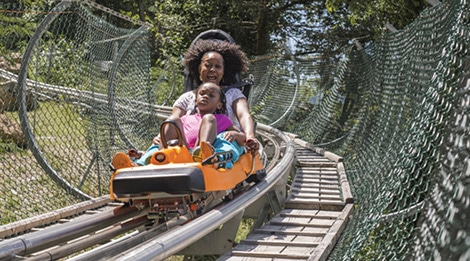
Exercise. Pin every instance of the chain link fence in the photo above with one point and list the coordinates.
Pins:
(396, 110)
(83, 92)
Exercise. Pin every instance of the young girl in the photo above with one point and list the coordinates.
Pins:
(208, 125)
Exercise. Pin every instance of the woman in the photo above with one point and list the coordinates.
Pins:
(218, 62)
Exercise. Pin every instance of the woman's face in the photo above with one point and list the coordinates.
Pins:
(211, 68)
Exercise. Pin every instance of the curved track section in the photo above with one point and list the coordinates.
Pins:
(174, 241)
(132, 226)
(305, 226)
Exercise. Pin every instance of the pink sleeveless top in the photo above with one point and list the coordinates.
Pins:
(192, 123)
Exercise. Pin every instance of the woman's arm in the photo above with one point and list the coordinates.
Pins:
(240, 108)
(176, 113)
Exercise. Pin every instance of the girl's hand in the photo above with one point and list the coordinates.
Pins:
(230, 135)
(157, 141)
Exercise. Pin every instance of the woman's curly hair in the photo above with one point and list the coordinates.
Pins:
(235, 59)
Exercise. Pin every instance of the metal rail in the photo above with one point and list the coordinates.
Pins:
(91, 97)
(307, 227)
(40, 240)
(168, 244)
(21, 226)
(177, 239)
(114, 223)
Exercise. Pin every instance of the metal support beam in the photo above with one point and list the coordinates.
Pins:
(217, 242)
(433, 2)
(391, 28)
(275, 201)
(357, 44)
(262, 217)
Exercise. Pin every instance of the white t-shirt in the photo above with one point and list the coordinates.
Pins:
(187, 102)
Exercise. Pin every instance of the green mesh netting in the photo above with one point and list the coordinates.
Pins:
(397, 110)
(406, 147)
(84, 93)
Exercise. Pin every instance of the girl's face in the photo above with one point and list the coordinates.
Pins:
(208, 98)
(211, 68)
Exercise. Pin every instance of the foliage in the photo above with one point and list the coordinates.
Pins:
(373, 15)
(58, 63)
(177, 23)
(322, 26)
(168, 79)
(15, 27)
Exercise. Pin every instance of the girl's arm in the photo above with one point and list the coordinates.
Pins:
(234, 134)
(176, 113)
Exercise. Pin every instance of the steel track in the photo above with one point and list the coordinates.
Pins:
(90, 228)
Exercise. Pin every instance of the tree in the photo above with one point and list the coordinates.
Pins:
(321, 27)
(375, 14)
(17, 26)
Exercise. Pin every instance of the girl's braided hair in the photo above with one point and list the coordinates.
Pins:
(223, 100)
(235, 59)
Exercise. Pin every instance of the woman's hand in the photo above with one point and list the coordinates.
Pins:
(252, 145)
